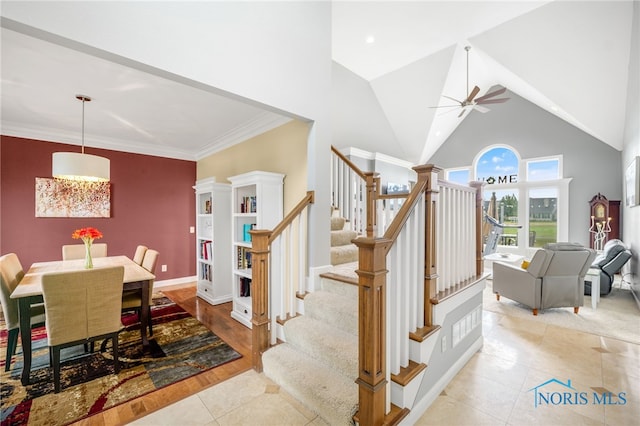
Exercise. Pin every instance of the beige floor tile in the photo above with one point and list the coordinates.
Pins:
(531, 326)
(627, 414)
(189, 411)
(483, 394)
(578, 400)
(509, 373)
(567, 336)
(265, 410)
(526, 413)
(447, 411)
(233, 393)
(520, 347)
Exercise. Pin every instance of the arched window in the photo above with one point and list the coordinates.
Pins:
(529, 196)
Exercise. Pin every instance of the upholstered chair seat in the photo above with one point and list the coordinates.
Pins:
(11, 273)
(77, 251)
(131, 300)
(82, 307)
(138, 256)
(554, 278)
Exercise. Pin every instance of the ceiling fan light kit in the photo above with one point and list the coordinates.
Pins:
(471, 102)
(78, 165)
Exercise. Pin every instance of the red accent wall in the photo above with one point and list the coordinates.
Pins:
(152, 203)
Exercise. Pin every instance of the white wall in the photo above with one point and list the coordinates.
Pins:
(631, 215)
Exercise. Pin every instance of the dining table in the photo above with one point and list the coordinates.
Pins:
(29, 291)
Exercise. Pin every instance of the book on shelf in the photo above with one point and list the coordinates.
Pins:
(248, 204)
(205, 272)
(246, 236)
(244, 258)
(245, 287)
(205, 250)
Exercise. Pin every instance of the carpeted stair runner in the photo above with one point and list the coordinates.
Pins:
(318, 363)
(342, 249)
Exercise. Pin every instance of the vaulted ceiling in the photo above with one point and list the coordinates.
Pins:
(568, 57)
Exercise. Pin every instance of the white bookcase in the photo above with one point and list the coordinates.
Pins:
(213, 220)
(256, 203)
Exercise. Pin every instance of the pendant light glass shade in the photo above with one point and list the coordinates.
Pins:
(78, 165)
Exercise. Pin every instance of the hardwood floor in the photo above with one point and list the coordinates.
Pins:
(217, 319)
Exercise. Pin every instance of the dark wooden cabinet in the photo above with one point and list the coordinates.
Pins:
(604, 213)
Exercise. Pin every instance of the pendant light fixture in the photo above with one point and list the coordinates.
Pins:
(80, 166)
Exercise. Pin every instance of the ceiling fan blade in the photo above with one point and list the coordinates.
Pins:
(473, 94)
(448, 112)
(492, 101)
(481, 108)
(446, 106)
(492, 94)
(453, 99)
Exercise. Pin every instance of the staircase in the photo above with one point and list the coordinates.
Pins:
(318, 362)
(342, 249)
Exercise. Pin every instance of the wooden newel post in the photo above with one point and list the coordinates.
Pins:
(372, 182)
(259, 295)
(429, 172)
(372, 279)
(479, 219)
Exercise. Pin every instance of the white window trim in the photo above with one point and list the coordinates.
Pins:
(522, 187)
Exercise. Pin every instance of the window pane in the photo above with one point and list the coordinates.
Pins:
(543, 170)
(498, 165)
(459, 176)
(543, 216)
(503, 206)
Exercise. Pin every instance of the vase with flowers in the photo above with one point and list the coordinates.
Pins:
(87, 235)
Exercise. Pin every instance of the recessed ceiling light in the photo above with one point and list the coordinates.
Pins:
(370, 39)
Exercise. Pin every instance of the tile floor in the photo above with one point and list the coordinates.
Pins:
(494, 388)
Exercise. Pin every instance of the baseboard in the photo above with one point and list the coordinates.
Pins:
(174, 281)
(314, 276)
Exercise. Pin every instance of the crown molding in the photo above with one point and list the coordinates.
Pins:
(376, 156)
(261, 124)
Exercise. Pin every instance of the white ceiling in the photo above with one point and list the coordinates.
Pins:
(570, 58)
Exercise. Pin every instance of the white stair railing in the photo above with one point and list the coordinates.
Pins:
(456, 235)
(288, 259)
(349, 191)
(279, 267)
(455, 216)
(405, 289)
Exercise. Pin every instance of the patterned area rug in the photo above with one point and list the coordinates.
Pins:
(179, 348)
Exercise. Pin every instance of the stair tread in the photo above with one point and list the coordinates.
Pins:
(327, 344)
(332, 395)
(338, 310)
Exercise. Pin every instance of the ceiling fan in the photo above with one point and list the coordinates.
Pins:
(471, 102)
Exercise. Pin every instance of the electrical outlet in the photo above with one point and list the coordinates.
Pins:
(164, 268)
(192, 229)
(444, 343)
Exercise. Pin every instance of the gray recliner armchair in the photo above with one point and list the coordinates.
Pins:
(553, 279)
(613, 257)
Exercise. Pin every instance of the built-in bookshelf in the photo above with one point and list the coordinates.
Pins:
(257, 203)
(213, 220)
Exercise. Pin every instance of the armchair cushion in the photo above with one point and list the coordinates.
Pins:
(554, 278)
(613, 257)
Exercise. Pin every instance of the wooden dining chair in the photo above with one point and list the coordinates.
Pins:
(77, 251)
(132, 300)
(138, 257)
(82, 307)
(11, 273)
